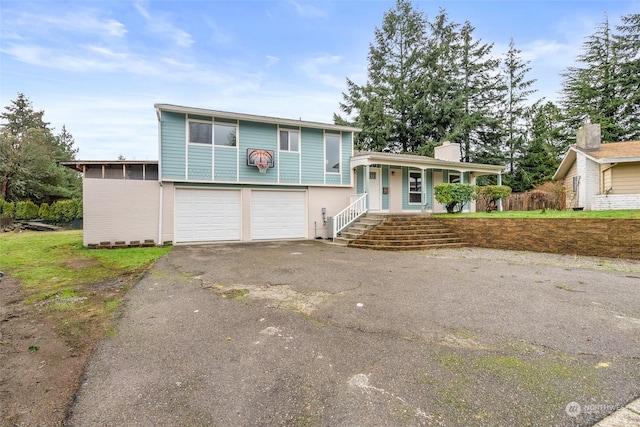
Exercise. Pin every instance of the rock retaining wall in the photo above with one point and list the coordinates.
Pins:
(615, 238)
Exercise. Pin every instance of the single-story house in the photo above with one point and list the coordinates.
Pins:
(225, 176)
(599, 176)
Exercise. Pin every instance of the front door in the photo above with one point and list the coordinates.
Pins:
(375, 189)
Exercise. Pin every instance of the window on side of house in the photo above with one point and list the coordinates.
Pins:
(332, 153)
(224, 135)
(575, 183)
(200, 132)
(289, 140)
(415, 187)
(454, 178)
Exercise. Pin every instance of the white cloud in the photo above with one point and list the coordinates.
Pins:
(315, 69)
(161, 25)
(86, 21)
(308, 10)
(272, 60)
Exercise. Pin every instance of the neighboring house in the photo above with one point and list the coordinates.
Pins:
(600, 176)
(226, 176)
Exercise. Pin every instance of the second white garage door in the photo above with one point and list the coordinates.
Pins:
(278, 215)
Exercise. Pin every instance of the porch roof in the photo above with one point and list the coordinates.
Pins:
(363, 158)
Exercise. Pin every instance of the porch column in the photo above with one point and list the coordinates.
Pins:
(365, 181)
(500, 200)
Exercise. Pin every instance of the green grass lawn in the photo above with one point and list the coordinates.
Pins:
(55, 270)
(549, 213)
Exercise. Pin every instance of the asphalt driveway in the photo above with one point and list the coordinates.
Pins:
(311, 334)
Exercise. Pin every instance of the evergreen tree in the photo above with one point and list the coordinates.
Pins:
(591, 92)
(385, 107)
(29, 152)
(479, 93)
(628, 48)
(517, 92)
(543, 148)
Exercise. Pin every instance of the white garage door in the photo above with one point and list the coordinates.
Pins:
(278, 215)
(207, 215)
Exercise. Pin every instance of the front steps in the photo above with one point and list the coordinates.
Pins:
(358, 228)
(408, 232)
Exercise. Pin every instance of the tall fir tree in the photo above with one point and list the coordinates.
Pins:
(518, 88)
(479, 92)
(385, 106)
(627, 42)
(591, 91)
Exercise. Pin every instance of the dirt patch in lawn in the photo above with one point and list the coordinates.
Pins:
(42, 357)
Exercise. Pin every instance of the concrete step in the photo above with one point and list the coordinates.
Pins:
(408, 232)
(407, 247)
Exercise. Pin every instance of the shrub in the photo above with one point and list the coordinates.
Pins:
(555, 194)
(490, 194)
(7, 209)
(26, 210)
(45, 211)
(64, 211)
(455, 196)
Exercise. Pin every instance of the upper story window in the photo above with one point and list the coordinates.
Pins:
(415, 187)
(200, 133)
(332, 153)
(289, 140)
(224, 135)
(216, 133)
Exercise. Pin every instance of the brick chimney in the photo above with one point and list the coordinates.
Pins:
(447, 151)
(588, 137)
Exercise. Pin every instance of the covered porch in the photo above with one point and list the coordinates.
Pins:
(403, 183)
(389, 183)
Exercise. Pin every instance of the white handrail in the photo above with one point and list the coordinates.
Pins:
(344, 218)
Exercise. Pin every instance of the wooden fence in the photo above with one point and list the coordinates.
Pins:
(6, 222)
(529, 201)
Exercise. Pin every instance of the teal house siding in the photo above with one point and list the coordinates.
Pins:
(360, 180)
(172, 147)
(312, 147)
(333, 179)
(225, 164)
(385, 183)
(199, 163)
(206, 162)
(289, 167)
(405, 191)
(258, 136)
(347, 144)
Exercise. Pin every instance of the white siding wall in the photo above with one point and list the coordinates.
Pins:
(120, 210)
(615, 201)
(334, 199)
(589, 172)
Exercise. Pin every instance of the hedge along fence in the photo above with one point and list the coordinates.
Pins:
(60, 212)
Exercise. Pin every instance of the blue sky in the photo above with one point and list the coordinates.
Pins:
(99, 66)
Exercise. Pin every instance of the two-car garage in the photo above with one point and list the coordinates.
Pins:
(209, 215)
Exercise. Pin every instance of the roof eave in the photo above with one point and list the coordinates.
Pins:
(252, 117)
(424, 163)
